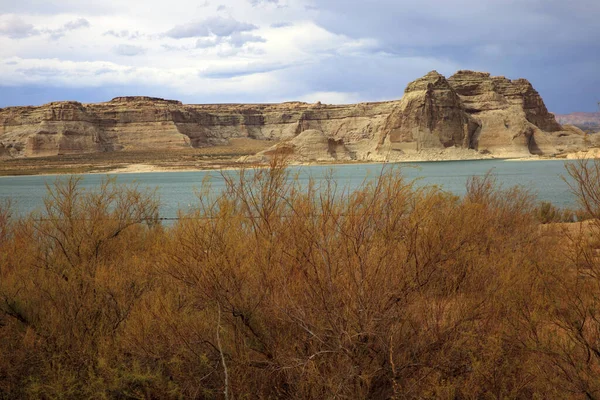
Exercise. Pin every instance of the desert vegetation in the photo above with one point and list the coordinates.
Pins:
(274, 289)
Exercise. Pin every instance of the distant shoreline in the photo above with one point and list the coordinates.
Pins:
(142, 168)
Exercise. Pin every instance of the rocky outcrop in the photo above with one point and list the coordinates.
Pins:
(430, 115)
(471, 111)
(513, 120)
(140, 123)
(310, 145)
(481, 92)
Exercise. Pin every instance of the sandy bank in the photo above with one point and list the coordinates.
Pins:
(427, 156)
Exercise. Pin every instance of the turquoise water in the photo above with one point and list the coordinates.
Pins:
(177, 190)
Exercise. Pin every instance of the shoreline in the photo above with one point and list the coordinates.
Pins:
(143, 168)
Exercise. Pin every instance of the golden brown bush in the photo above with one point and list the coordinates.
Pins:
(72, 278)
(279, 289)
(388, 291)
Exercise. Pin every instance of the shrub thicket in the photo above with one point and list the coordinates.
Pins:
(275, 289)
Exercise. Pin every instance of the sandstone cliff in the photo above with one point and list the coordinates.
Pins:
(310, 145)
(138, 123)
(513, 120)
(470, 113)
(430, 115)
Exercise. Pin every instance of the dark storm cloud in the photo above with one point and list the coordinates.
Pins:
(439, 22)
(549, 42)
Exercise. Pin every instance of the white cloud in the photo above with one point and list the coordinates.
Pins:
(78, 23)
(189, 30)
(230, 59)
(128, 50)
(281, 24)
(207, 42)
(123, 34)
(218, 26)
(69, 26)
(182, 81)
(261, 2)
(15, 28)
(239, 39)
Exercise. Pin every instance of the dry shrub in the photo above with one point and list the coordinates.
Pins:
(548, 213)
(72, 278)
(279, 288)
(387, 291)
(567, 333)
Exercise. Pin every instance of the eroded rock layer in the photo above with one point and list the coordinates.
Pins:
(430, 115)
(469, 111)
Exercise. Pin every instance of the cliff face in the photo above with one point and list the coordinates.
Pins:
(481, 92)
(513, 120)
(470, 110)
(138, 123)
(430, 115)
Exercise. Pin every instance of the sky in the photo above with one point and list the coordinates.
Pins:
(265, 51)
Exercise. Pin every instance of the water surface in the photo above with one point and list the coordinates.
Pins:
(177, 190)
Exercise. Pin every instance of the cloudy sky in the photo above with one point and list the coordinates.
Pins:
(333, 51)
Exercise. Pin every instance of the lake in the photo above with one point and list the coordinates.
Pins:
(177, 190)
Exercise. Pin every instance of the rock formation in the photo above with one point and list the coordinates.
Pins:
(140, 123)
(513, 120)
(310, 145)
(430, 115)
(470, 114)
